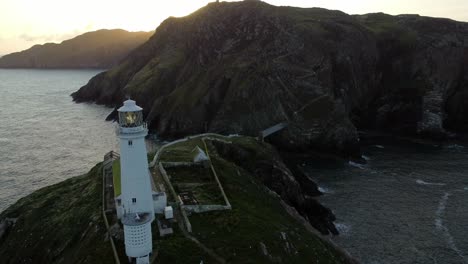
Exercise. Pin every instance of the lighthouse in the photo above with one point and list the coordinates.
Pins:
(137, 197)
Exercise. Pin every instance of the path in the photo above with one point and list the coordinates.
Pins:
(271, 130)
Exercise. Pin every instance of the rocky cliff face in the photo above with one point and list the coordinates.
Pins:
(423, 68)
(293, 188)
(98, 49)
(244, 66)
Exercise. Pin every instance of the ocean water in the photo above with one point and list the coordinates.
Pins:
(45, 137)
(409, 204)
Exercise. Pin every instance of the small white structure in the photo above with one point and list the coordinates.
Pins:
(136, 199)
(199, 156)
(168, 212)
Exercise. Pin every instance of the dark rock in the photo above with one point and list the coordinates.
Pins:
(276, 176)
(244, 66)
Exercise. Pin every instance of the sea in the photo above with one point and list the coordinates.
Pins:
(45, 137)
(408, 204)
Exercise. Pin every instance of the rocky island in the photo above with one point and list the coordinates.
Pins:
(99, 49)
(241, 67)
(270, 221)
(238, 68)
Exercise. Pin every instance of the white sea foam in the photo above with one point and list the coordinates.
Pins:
(421, 182)
(455, 146)
(343, 228)
(365, 157)
(439, 223)
(440, 210)
(357, 165)
(325, 190)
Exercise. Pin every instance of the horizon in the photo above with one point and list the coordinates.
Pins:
(26, 23)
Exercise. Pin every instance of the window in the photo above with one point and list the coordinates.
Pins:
(133, 200)
(130, 143)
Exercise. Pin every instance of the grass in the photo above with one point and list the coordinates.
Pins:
(178, 249)
(257, 218)
(116, 177)
(61, 223)
(181, 152)
(199, 180)
(190, 174)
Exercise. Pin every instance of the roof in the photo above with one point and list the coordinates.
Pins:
(135, 219)
(199, 154)
(129, 106)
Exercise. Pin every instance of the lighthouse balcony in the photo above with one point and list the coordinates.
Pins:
(134, 219)
(122, 131)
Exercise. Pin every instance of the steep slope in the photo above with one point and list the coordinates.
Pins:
(241, 67)
(424, 69)
(97, 49)
(61, 223)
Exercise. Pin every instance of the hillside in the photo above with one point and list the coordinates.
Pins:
(63, 223)
(97, 49)
(240, 67)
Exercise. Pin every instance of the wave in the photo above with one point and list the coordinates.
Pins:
(325, 190)
(455, 146)
(439, 223)
(4, 140)
(379, 146)
(421, 182)
(365, 157)
(357, 165)
(342, 228)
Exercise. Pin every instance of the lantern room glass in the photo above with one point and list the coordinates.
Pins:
(131, 119)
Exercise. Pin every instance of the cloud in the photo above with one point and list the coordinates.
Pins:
(55, 37)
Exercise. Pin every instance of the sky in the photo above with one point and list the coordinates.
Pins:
(24, 23)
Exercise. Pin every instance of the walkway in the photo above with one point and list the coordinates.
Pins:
(271, 130)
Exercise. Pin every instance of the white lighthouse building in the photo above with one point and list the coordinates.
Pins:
(136, 202)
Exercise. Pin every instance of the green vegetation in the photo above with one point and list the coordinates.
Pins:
(178, 249)
(116, 177)
(258, 229)
(388, 28)
(61, 223)
(198, 180)
(181, 152)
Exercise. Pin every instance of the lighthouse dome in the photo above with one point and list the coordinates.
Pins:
(129, 106)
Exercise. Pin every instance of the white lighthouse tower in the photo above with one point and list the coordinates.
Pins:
(137, 197)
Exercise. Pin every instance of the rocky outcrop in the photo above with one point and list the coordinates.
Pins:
(277, 177)
(100, 49)
(423, 66)
(244, 66)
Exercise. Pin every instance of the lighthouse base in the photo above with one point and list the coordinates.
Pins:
(142, 260)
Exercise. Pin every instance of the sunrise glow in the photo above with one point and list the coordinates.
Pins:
(24, 23)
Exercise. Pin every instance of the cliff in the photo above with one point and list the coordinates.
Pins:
(63, 223)
(97, 49)
(240, 67)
